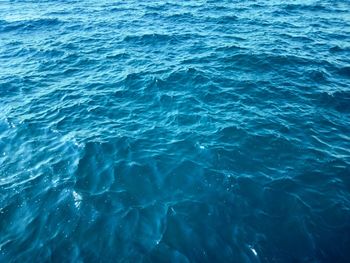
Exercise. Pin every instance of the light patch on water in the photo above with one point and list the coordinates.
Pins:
(254, 251)
(172, 211)
(200, 146)
(77, 199)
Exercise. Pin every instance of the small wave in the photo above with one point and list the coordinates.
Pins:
(181, 17)
(262, 61)
(305, 7)
(227, 19)
(344, 71)
(231, 48)
(337, 49)
(339, 100)
(30, 25)
(149, 39)
(318, 76)
(120, 9)
(183, 77)
(118, 55)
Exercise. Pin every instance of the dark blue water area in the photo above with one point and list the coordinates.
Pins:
(175, 131)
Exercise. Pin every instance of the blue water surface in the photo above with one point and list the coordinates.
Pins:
(175, 131)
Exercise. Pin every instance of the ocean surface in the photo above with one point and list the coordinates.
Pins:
(175, 131)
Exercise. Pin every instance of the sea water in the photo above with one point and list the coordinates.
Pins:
(175, 131)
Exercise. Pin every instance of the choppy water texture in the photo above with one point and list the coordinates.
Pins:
(180, 131)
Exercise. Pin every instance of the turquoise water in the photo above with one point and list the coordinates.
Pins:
(182, 131)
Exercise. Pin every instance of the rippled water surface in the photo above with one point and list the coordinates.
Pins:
(180, 131)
